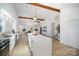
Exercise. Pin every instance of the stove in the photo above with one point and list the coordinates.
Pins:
(4, 47)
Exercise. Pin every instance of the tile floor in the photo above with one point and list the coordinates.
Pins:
(22, 48)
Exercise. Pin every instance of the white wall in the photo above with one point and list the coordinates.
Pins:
(69, 22)
(48, 25)
(56, 23)
(10, 9)
(51, 30)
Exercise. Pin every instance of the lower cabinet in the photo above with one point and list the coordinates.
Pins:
(40, 45)
(12, 42)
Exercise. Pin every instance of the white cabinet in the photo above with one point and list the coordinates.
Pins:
(12, 42)
(17, 36)
(40, 45)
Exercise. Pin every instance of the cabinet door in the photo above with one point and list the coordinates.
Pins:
(30, 40)
(12, 42)
(0, 24)
(30, 43)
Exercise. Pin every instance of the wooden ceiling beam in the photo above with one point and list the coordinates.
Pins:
(44, 6)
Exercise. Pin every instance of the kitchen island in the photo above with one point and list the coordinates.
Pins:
(40, 45)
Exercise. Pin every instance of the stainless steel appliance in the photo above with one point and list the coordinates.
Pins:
(4, 47)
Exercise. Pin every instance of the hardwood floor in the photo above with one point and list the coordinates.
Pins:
(21, 48)
(63, 50)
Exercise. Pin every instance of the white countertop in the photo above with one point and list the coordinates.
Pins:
(38, 36)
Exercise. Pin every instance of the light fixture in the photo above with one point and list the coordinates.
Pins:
(34, 18)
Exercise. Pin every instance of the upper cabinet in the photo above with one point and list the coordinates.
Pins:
(1, 21)
(0, 24)
(6, 23)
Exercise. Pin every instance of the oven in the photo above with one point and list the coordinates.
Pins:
(4, 47)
